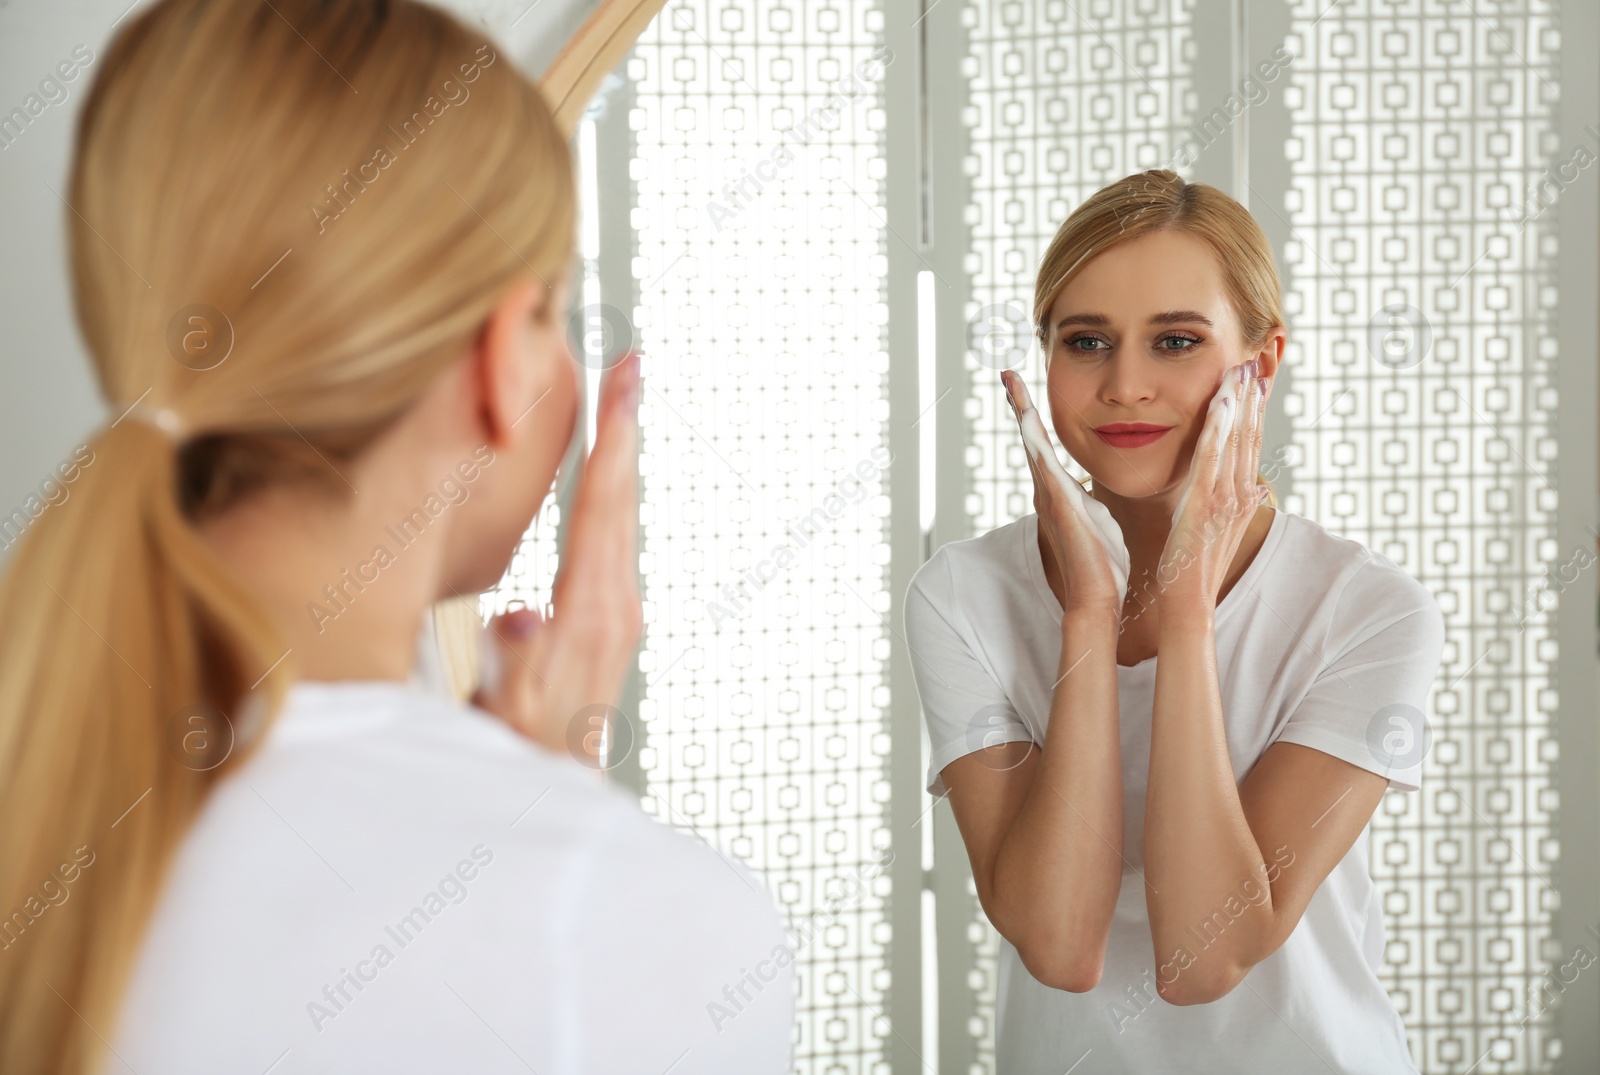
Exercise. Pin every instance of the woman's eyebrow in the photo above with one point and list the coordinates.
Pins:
(1165, 317)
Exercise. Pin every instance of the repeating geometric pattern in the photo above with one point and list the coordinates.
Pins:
(1422, 397)
(762, 255)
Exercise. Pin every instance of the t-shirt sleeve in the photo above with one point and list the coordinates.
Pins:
(963, 707)
(1377, 667)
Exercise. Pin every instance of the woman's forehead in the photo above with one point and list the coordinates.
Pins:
(1141, 277)
(1135, 281)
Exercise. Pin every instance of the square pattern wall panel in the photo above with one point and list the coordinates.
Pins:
(1420, 390)
(757, 173)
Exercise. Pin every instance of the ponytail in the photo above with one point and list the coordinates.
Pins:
(122, 630)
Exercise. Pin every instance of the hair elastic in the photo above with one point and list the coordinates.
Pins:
(164, 419)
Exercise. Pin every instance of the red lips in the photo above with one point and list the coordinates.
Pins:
(1130, 434)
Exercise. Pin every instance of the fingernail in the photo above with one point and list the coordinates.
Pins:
(522, 622)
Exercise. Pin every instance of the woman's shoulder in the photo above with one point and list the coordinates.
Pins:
(373, 817)
(1346, 575)
(379, 765)
(431, 737)
(994, 556)
(415, 779)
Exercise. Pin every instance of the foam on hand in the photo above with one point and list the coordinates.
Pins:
(1096, 514)
(1220, 413)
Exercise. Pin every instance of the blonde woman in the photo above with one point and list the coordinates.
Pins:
(320, 257)
(1164, 710)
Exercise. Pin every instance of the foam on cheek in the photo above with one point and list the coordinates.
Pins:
(1225, 402)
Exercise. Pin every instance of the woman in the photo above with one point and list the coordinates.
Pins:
(1164, 711)
(320, 255)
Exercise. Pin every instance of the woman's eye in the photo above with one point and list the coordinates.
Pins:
(1086, 344)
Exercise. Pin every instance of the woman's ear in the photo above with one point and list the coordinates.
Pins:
(504, 358)
(1270, 353)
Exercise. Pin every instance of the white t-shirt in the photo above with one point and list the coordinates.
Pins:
(1321, 642)
(399, 883)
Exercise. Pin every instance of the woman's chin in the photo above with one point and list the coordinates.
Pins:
(1128, 484)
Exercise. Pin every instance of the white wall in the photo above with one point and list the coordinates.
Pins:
(49, 401)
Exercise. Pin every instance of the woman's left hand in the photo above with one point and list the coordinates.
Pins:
(1220, 498)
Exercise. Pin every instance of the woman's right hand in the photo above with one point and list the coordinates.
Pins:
(1085, 540)
(549, 680)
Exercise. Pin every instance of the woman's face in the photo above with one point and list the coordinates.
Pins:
(1141, 337)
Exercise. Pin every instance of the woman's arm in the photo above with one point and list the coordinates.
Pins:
(1231, 869)
(1043, 828)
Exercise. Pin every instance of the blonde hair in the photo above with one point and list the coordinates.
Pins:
(347, 189)
(1161, 200)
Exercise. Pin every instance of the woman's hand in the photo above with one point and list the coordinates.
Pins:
(1221, 496)
(544, 678)
(1085, 540)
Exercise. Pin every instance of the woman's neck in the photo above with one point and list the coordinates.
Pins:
(1146, 523)
(345, 611)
